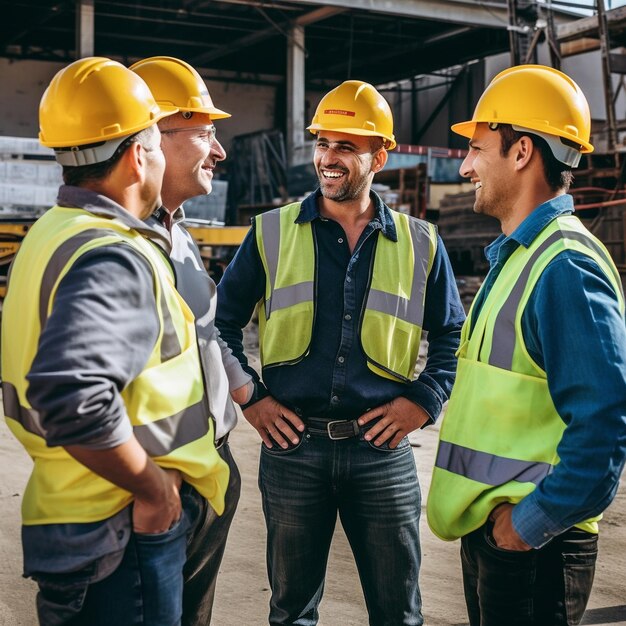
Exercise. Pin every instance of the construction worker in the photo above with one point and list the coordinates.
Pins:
(534, 438)
(102, 377)
(345, 286)
(192, 151)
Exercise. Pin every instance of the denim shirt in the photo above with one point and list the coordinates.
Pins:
(574, 331)
(333, 380)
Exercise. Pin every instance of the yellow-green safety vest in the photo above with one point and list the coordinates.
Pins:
(166, 403)
(391, 324)
(501, 430)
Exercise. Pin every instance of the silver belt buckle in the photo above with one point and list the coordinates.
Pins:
(330, 434)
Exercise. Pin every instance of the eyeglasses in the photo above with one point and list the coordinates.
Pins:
(206, 133)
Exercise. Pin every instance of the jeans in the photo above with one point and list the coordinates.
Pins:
(549, 586)
(206, 549)
(146, 588)
(377, 495)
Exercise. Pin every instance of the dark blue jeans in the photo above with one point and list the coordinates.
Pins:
(146, 588)
(545, 587)
(206, 549)
(377, 495)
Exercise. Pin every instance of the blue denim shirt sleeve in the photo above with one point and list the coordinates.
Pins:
(443, 319)
(574, 330)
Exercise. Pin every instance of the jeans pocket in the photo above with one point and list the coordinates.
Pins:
(277, 450)
(491, 543)
(384, 447)
(578, 573)
(61, 596)
(176, 530)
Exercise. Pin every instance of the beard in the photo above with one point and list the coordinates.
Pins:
(347, 190)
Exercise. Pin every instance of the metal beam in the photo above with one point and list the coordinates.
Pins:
(317, 16)
(588, 26)
(419, 45)
(295, 96)
(85, 16)
(36, 22)
(261, 35)
(485, 13)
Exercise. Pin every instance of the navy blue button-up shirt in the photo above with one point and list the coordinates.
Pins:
(333, 380)
(575, 332)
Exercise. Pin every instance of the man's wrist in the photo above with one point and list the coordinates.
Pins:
(258, 393)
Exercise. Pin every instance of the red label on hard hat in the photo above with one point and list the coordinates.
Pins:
(339, 112)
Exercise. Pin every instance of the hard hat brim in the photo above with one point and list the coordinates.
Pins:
(316, 128)
(467, 129)
(215, 113)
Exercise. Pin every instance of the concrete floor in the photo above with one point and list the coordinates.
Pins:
(242, 592)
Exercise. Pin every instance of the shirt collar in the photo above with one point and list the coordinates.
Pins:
(383, 219)
(102, 206)
(177, 216)
(530, 228)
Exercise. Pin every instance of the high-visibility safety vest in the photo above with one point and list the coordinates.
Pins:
(391, 323)
(165, 403)
(500, 434)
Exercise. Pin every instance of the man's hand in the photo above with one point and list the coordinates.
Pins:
(274, 421)
(504, 534)
(242, 394)
(157, 501)
(398, 418)
(160, 511)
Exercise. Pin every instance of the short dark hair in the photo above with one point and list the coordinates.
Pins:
(376, 143)
(82, 174)
(558, 175)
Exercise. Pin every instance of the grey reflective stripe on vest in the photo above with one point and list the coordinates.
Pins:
(288, 296)
(503, 341)
(410, 310)
(28, 418)
(157, 438)
(270, 234)
(489, 469)
(170, 345)
(165, 435)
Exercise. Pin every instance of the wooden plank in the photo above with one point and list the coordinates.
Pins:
(586, 26)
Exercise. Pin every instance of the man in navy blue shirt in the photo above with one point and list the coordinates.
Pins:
(345, 288)
(534, 438)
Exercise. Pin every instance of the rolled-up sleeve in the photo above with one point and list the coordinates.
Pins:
(98, 338)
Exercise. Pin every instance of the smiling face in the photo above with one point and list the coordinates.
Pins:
(345, 165)
(491, 173)
(191, 153)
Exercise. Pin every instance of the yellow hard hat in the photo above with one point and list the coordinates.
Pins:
(176, 85)
(539, 99)
(356, 108)
(95, 100)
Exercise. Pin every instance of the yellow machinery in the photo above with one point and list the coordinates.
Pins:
(12, 232)
(217, 243)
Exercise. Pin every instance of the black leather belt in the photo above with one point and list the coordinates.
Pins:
(333, 429)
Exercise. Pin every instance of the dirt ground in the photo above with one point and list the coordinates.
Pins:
(242, 591)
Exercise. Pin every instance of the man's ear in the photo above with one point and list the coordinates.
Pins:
(134, 160)
(524, 150)
(380, 160)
